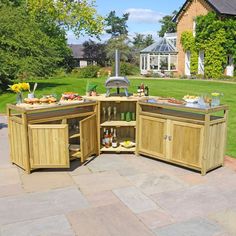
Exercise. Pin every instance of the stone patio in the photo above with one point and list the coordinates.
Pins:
(121, 195)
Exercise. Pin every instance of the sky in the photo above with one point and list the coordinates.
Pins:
(143, 18)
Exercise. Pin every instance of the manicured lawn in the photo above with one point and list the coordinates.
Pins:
(173, 88)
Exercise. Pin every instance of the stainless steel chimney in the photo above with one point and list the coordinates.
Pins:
(117, 81)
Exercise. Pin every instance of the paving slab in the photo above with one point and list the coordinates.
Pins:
(11, 190)
(42, 181)
(193, 227)
(135, 200)
(194, 201)
(99, 182)
(110, 220)
(155, 218)
(52, 225)
(155, 183)
(34, 205)
(81, 170)
(4, 144)
(227, 219)
(102, 198)
(9, 176)
(107, 162)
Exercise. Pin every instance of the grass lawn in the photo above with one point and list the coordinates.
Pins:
(163, 87)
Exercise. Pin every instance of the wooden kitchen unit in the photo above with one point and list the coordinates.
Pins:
(126, 130)
(52, 135)
(189, 136)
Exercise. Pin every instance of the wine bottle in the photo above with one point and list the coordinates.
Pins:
(111, 136)
(114, 140)
(104, 137)
(146, 91)
(107, 139)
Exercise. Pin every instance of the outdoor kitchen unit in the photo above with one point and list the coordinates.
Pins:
(117, 81)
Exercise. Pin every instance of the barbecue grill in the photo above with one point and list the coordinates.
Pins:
(117, 81)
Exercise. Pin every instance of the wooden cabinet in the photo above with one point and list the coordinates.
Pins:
(152, 136)
(51, 137)
(194, 138)
(109, 117)
(186, 143)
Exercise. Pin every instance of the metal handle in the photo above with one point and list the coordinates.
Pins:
(165, 137)
(170, 138)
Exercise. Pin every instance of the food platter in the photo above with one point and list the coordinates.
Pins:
(191, 98)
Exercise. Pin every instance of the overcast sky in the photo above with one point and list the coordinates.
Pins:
(143, 18)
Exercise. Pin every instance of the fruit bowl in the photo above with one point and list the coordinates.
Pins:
(127, 144)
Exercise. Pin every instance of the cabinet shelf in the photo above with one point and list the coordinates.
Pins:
(118, 149)
(118, 123)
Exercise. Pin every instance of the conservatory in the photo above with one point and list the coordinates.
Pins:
(159, 57)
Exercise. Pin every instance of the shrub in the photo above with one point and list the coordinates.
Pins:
(88, 72)
(127, 69)
(105, 71)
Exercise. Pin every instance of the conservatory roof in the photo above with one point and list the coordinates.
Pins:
(162, 45)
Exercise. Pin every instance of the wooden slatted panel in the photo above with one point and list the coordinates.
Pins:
(187, 143)
(49, 146)
(18, 144)
(151, 136)
(88, 134)
(215, 150)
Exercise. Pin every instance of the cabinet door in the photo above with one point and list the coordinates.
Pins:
(48, 144)
(151, 138)
(88, 135)
(186, 143)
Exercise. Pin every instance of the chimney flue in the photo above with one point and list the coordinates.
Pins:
(117, 63)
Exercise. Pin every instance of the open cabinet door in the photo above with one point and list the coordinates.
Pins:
(88, 137)
(49, 146)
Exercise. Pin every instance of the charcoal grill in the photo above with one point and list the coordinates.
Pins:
(117, 81)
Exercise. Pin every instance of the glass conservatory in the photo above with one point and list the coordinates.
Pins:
(159, 57)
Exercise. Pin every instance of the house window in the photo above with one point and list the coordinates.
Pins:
(173, 62)
(201, 63)
(154, 62)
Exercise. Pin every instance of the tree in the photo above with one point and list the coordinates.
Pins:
(24, 49)
(117, 26)
(95, 51)
(148, 40)
(167, 24)
(121, 43)
(80, 16)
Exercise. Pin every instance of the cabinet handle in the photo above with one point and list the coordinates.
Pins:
(170, 138)
(165, 137)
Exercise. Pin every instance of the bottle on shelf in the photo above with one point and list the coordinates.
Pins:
(107, 139)
(139, 91)
(104, 137)
(114, 140)
(142, 89)
(146, 91)
(111, 136)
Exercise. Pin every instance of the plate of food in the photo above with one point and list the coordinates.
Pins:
(127, 144)
(191, 98)
(70, 97)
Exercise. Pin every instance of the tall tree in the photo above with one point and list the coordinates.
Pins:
(167, 24)
(148, 40)
(95, 51)
(80, 16)
(116, 25)
(24, 49)
(121, 43)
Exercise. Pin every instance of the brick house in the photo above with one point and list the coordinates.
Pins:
(185, 20)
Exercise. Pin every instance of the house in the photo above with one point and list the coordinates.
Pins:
(185, 20)
(161, 56)
(80, 56)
